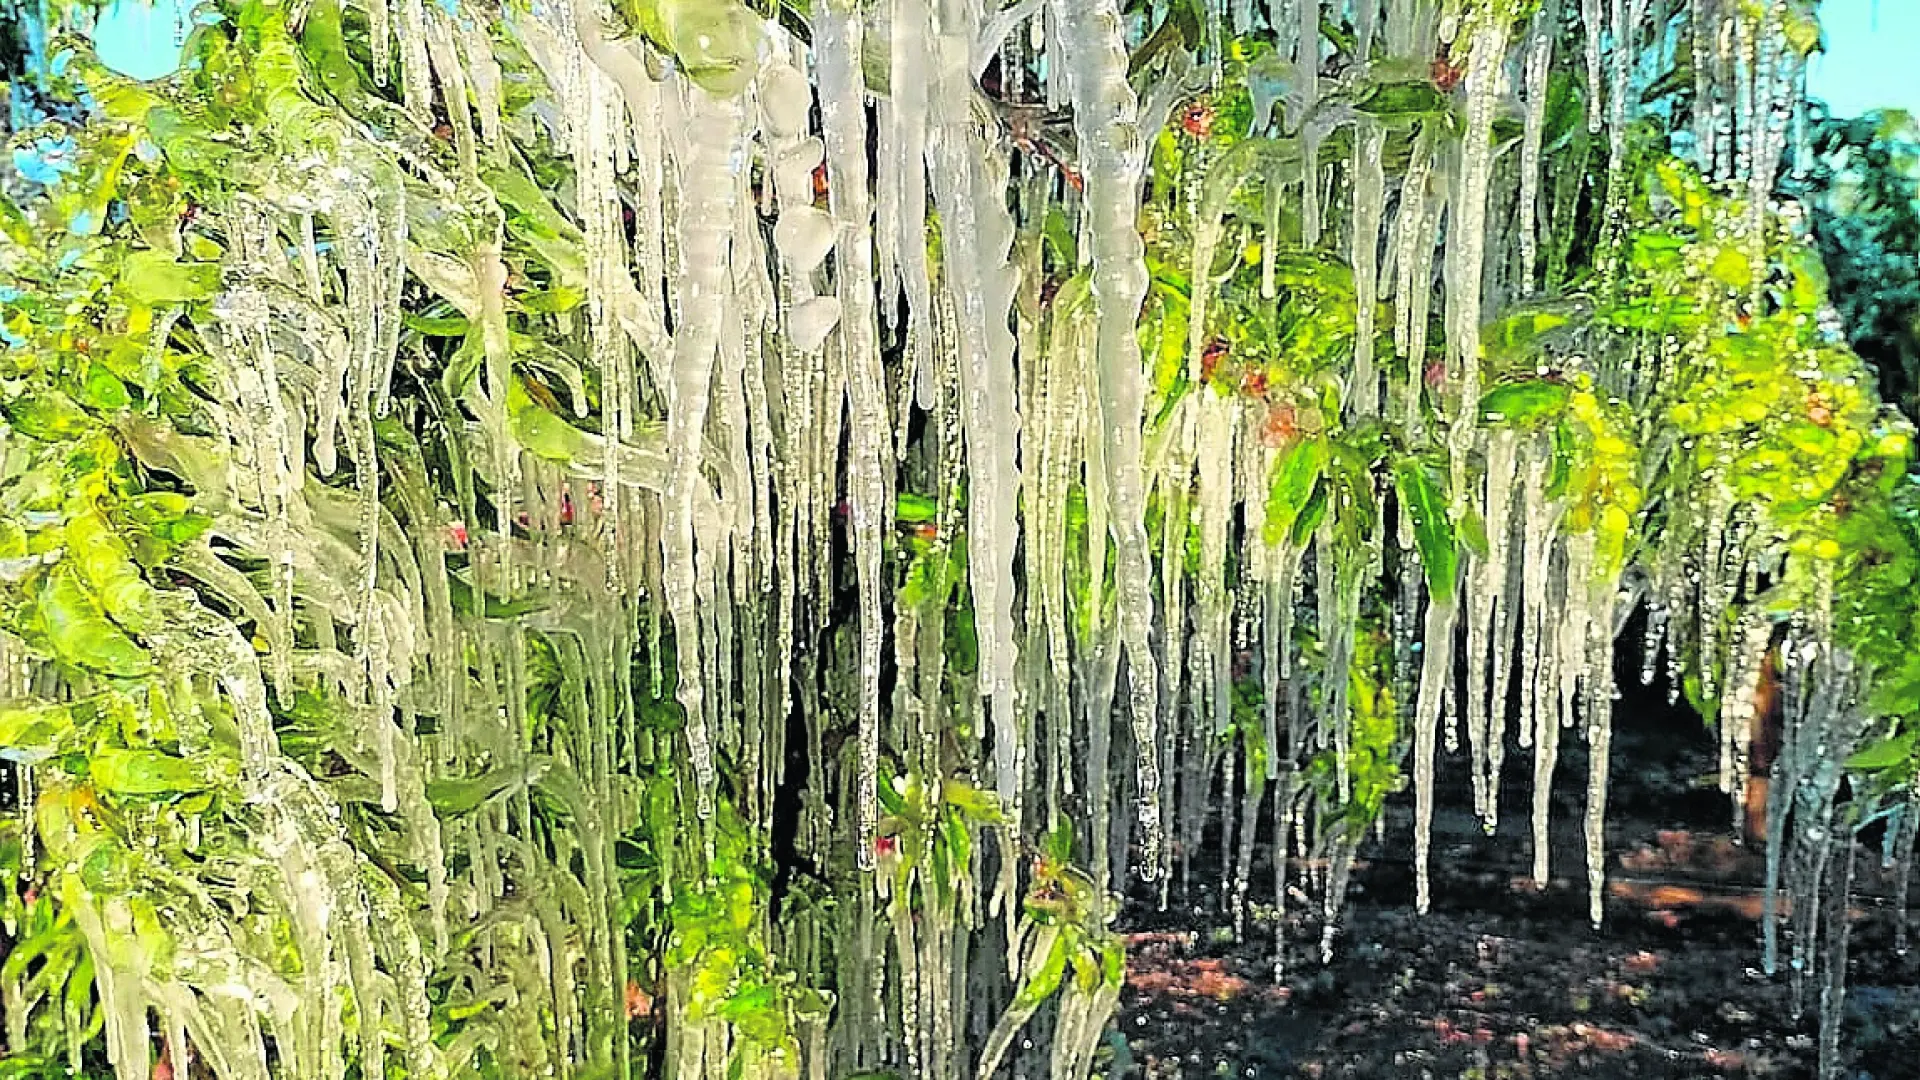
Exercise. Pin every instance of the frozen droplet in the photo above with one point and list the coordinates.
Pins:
(785, 100)
(810, 321)
(804, 235)
(793, 169)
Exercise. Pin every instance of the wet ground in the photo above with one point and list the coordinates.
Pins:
(1501, 981)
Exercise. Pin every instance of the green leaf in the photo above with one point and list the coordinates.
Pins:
(887, 793)
(463, 368)
(79, 631)
(919, 585)
(491, 606)
(1525, 404)
(1801, 29)
(1310, 516)
(914, 509)
(1060, 842)
(541, 432)
(154, 278)
(108, 569)
(972, 803)
(1426, 502)
(49, 417)
(1046, 979)
(1678, 79)
(1473, 532)
(34, 732)
(1888, 753)
(465, 795)
(959, 841)
(102, 389)
(1402, 100)
(1731, 267)
(1518, 334)
(1295, 475)
(144, 772)
(714, 40)
(325, 46)
(449, 326)
(963, 642)
(554, 301)
(1059, 237)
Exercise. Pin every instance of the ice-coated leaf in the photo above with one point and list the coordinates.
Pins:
(1426, 502)
(1524, 404)
(144, 772)
(154, 277)
(80, 632)
(1295, 475)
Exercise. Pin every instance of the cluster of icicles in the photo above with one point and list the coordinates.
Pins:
(759, 398)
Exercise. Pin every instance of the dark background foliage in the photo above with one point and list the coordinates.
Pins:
(1863, 188)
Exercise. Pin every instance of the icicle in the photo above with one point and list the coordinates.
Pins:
(904, 180)
(837, 46)
(1436, 670)
(1540, 727)
(1738, 704)
(1614, 214)
(1216, 420)
(1112, 157)
(1485, 613)
(970, 179)
(1590, 21)
(1839, 925)
(1413, 269)
(1369, 201)
(380, 39)
(1366, 15)
(1599, 709)
(1539, 59)
(1306, 63)
(708, 187)
(1467, 229)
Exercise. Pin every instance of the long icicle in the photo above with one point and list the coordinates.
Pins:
(1105, 113)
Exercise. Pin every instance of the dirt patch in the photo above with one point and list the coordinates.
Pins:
(1499, 980)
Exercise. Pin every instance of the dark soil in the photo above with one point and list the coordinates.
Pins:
(1499, 980)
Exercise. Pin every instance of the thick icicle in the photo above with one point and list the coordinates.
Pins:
(1112, 157)
(1467, 229)
(970, 178)
(708, 186)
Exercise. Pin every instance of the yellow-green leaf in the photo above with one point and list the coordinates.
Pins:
(144, 772)
(154, 277)
(80, 633)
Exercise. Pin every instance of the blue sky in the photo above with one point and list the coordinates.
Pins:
(1873, 56)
